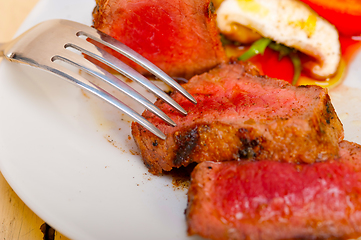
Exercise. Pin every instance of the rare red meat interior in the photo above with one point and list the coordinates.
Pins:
(274, 200)
(179, 36)
(241, 115)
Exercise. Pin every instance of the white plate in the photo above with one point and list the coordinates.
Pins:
(70, 157)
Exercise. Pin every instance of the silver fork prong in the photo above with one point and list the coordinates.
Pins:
(99, 92)
(41, 46)
(114, 63)
(96, 71)
(136, 57)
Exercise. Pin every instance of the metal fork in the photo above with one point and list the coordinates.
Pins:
(49, 42)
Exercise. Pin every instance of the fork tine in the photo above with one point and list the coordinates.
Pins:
(84, 83)
(89, 67)
(134, 56)
(111, 61)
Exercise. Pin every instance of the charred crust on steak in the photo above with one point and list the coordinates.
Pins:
(211, 8)
(186, 143)
(330, 112)
(250, 146)
(329, 107)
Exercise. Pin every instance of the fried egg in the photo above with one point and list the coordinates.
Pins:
(289, 22)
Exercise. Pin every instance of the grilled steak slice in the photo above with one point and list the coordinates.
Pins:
(274, 200)
(179, 36)
(241, 115)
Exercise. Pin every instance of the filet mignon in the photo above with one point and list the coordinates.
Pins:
(274, 200)
(178, 36)
(241, 115)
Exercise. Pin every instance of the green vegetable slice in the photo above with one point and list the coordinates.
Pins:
(282, 49)
(297, 67)
(296, 61)
(257, 47)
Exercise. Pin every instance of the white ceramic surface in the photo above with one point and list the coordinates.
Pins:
(71, 159)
